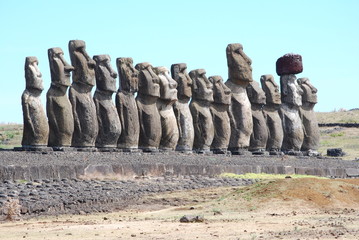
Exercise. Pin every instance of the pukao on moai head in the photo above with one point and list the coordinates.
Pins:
(168, 96)
(202, 97)
(219, 109)
(180, 75)
(58, 106)
(36, 128)
(239, 65)
(128, 75)
(271, 113)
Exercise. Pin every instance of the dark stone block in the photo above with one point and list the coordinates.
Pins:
(289, 64)
(335, 152)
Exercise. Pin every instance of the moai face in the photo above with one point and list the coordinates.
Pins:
(33, 75)
(221, 93)
(255, 94)
(148, 81)
(180, 75)
(290, 90)
(201, 87)
(309, 91)
(168, 86)
(84, 66)
(60, 69)
(239, 65)
(271, 89)
(128, 75)
(105, 75)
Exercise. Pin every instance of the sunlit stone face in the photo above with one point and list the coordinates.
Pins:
(60, 69)
(202, 87)
(271, 89)
(33, 75)
(168, 86)
(239, 64)
(221, 93)
(290, 90)
(255, 93)
(128, 75)
(309, 91)
(148, 81)
(105, 75)
(180, 75)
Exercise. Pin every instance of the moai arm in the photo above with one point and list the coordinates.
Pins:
(74, 112)
(178, 119)
(26, 112)
(52, 108)
(119, 106)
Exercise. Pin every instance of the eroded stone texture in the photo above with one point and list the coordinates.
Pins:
(149, 117)
(259, 135)
(58, 106)
(309, 119)
(219, 109)
(168, 96)
(126, 104)
(36, 128)
(202, 97)
(83, 106)
(108, 120)
(240, 113)
(271, 113)
(181, 107)
(289, 64)
(292, 125)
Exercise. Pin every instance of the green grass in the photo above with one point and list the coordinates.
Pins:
(266, 176)
(340, 116)
(10, 135)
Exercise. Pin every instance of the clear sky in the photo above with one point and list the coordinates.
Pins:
(324, 32)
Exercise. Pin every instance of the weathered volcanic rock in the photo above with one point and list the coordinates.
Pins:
(289, 64)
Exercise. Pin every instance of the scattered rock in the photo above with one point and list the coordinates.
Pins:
(191, 219)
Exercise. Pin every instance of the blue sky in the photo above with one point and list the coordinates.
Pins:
(325, 33)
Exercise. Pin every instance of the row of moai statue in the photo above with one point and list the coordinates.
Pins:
(157, 109)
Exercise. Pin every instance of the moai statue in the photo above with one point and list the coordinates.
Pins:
(36, 128)
(149, 117)
(239, 76)
(83, 106)
(309, 119)
(109, 124)
(126, 105)
(181, 107)
(291, 93)
(259, 135)
(271, 114)
(202, 97)
(168, 96)
(58, 106)
(219, 109)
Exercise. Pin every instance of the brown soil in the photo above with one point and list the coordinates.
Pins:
(272, 209)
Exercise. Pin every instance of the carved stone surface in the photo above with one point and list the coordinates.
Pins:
(83, 106)
(289, 64)
(58, 106)
(309, 119)
(259, 135)
(108, 120)
(36, 128)
(240, 113)
(292, 125)
(219, 109)
(149, 117)
(168, 96)
(271, 113)
(181, 107)
(202, 97)
(126, 104)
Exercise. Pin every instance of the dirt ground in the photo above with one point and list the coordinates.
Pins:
(271, 209)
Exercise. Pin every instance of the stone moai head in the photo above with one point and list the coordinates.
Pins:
(291, 92)
(105, 75)
(168, 86)
(221, 93)
(239, 65)
(60, 69)
(128, 75)
(180, 75)
(33, 75)
(84, 66)
(309, 91)
(201, 86)
(271, 89)
(256, 94)
(148, 81)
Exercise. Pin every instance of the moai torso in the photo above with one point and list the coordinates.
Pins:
(149, 117)
(83, 106)
(168, 96)
(271, 113)
(181, 107)
(309, 119)
(239, 76)
(126, 104)
(202, 97)
(259, 135)
(36, 128)
(58, 106)
(219, 109)
(108, 121)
